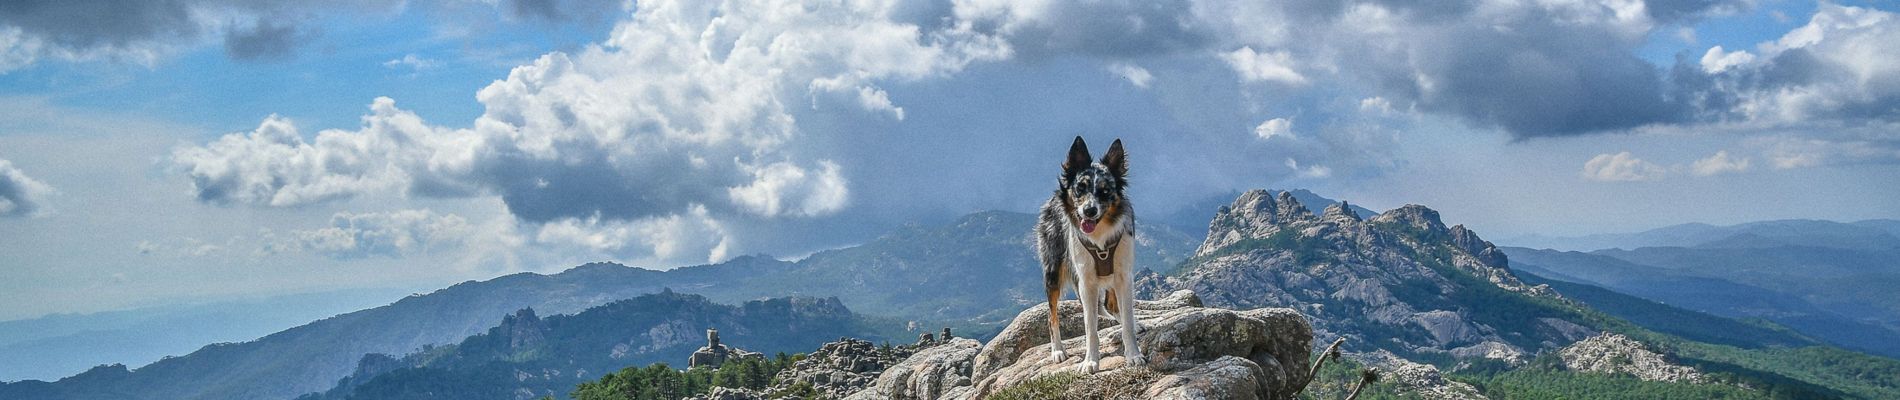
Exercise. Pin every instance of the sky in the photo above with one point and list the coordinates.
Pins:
(181, 151)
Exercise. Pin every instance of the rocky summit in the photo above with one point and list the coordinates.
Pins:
(1194, 352)
(1400, 281)
(1611, 353)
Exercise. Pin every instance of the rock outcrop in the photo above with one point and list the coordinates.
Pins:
(1424, 380)
(1611, 353)
(1400, 280)
(714, 354)
(1194, 352)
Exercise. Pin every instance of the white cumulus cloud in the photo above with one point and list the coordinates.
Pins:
(1719, 163)
(1621, 167)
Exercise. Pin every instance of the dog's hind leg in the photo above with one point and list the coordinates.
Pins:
(1109, 303)
(1055, 316)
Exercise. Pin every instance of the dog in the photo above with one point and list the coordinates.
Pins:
(1085, 236)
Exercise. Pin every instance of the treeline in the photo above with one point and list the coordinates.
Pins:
(661, 382)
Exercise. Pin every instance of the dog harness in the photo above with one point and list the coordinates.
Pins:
(1104, 256)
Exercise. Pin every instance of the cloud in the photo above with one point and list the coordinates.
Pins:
(1719, 163)
(1311, 171)
(559, 11)
(1837, 67)
(21, 195)
(1277, 127)
(692, 236)
(412, 62)
(264, 41)
(1135, 74)
(1272, 66)
(1621, 167)
(683, 111)
(392, 234)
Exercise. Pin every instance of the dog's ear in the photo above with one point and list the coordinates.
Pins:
(1078, 157)
(1116, 160)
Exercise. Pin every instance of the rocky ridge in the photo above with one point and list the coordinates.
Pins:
(1400, 281)
(1611, 353)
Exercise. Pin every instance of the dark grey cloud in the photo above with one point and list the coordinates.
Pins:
(1118, 29)
(1538, 79)
(21, 195)
(249, 30)
(264, 41)
(554, 12)
(90, 24)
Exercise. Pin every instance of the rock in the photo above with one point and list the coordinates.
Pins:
(1611, 353)
(1422, 379)
(1193, 353)
(929, 374)
(726, 393)
(1400, 271)
(842, 367)
(715, 354)
(523, 329)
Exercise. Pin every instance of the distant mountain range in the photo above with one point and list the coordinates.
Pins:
(59, 345)
(1399, 282)
(1830, 280)
(1868, 234)
(528, 356)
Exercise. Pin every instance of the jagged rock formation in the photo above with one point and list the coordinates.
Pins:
(1611, 353)
(1424, 380)
(1194, 353)
(839, 368)
(714, 354)
(1400, 280)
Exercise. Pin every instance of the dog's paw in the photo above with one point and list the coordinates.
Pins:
(1135, 359)
(1088, 366)
(1056, 355)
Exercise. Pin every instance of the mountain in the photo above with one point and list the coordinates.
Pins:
(1192, 218)
(1863, 235)
(960, 274)
(64, 344)
(1400, 281)
(1401, 287)
(528, 356)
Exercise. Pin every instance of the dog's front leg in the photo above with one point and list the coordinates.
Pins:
(1131, 350)
(1090, 294)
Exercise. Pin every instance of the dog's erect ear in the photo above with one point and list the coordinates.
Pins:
(1116, 160)
(1078, 157)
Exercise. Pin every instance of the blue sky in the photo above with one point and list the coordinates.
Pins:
(201, 150)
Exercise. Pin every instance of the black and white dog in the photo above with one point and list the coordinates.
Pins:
(1086, 237)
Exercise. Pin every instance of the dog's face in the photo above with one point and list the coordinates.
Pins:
(1092, 192)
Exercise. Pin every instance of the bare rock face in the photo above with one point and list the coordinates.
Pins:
(842, 367)
(1422, 379)
(714, 354)
(1402, 280)
(1611, 353)
(1193, 353)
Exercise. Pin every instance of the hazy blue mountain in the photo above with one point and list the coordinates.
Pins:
(1730, 283)
(1872, 234)
(1855, 283)
(60, 345)
(965, 273)
(1692, 325)
(528, 354)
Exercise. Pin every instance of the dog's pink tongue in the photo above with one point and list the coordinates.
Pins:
(1088, 226)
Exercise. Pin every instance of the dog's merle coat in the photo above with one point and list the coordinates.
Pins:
(1085, 238)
